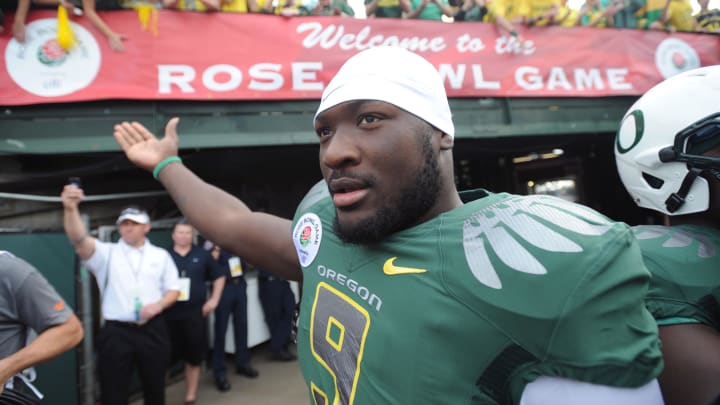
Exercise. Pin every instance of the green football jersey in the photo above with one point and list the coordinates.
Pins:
(469, 307)
(685, 267)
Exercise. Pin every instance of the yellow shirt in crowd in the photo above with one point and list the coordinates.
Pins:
(680, 15)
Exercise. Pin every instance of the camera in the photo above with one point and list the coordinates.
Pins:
(75, 181)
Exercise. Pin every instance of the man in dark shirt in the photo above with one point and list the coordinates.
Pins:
(186, 319)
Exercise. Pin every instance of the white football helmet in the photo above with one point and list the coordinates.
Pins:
(662, 138)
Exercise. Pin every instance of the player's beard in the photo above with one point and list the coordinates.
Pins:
(416, 199)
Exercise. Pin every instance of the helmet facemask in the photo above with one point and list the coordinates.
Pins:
(668, 144)
(690, 146)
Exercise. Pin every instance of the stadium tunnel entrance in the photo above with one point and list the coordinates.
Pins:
(266, 154)
(275, 178)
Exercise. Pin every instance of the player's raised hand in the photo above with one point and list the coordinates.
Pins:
(142, 147)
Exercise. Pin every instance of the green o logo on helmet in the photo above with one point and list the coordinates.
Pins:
(639, 120)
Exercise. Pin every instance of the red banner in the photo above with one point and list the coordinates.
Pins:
(228, 56)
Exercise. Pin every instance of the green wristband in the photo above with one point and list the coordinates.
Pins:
(163, 163)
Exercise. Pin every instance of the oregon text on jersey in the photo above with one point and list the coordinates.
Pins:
(352, 285)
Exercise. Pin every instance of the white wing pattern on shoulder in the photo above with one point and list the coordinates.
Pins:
(676, 238)
(315, 194)
(506, 226)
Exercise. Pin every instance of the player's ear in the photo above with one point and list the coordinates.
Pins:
(446, 141)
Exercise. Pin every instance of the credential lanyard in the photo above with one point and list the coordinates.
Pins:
(137, 302)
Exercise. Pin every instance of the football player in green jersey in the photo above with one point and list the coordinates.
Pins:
(416, 294)
(668, 156)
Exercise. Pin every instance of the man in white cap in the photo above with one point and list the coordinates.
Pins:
(413, 294)
(137, 281)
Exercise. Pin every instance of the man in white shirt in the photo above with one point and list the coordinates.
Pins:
(137, 281)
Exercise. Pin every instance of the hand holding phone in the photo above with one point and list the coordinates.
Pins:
(75, 181)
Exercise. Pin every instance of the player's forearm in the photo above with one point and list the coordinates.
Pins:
(193, 196)
(52, 342)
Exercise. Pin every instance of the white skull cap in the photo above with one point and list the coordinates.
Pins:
(396, 76)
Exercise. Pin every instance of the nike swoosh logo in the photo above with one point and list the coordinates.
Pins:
(392, 270)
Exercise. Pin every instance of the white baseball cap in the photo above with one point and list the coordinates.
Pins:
(396, 76)
(133, 214)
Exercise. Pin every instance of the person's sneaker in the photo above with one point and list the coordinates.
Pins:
(222, 384)
(247, 371)
(282, 356)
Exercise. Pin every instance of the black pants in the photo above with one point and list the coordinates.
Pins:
(123, 347)
(278, 303)
(188, 337)
(232, 302)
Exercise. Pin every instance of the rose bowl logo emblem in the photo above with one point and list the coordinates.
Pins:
(307, 236)
(51, 53)
(42, 67)
(674, 56)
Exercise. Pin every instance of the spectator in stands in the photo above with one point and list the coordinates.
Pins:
(542, 12)
(228, 6)
(708, 19)
(567, 16)
(286, 8)
(90, 7)
(506, 14)
(193, 5)
(680, 16)
(428, 9)
(652, 16)
(21, 12)
(471, 10)
(235, 6)
(261, 6)
(592, 14)
(338, 8)
(623, 13)
(386, 8)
